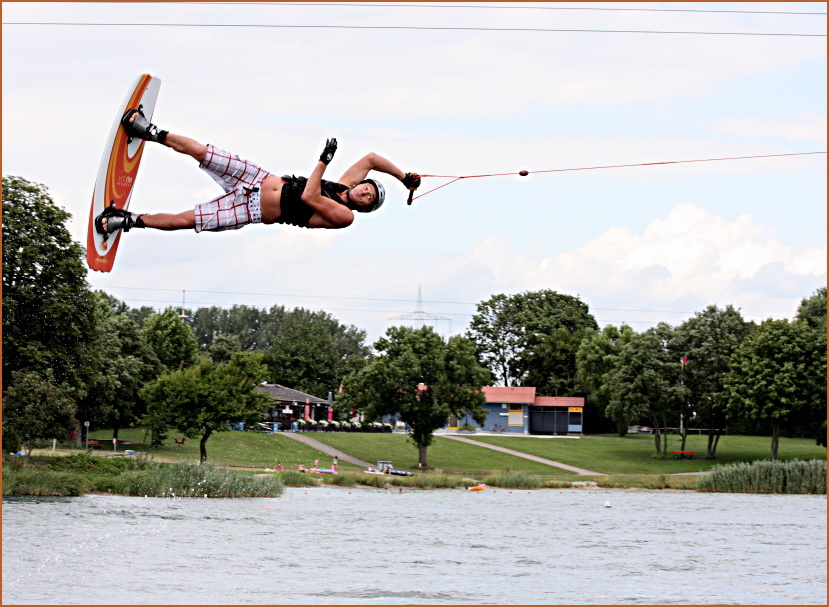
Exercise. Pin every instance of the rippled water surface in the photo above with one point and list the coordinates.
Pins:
(349, 546)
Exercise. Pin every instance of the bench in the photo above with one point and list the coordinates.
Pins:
(681, 454)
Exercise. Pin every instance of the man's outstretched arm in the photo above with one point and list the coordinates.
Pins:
(370, 162)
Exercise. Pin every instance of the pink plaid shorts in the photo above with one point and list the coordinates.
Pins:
(237, 207)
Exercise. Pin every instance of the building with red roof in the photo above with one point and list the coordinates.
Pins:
(518, 410)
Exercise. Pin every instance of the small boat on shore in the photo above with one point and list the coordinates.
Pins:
(388, 470)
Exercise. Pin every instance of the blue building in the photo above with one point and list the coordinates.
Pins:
(517, 410)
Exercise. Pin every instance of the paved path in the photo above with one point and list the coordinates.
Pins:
(534, 458)
(311, 442)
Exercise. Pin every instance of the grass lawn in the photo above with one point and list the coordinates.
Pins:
(606, 454)
(452, 457)
(232, 448)
(635, 454)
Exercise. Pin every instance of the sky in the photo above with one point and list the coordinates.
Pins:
(450, 89)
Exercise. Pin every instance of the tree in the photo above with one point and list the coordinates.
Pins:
(35, 408)
(140, 315)
(519, 337)
(551, 363)
(596, 361)
(707, 341)
(812, 310)
(646, 383)
(171, 339)
(497, 336)
(223, 347)
(778, 376)
(116, 305)
(208, 397)
(47, 306)
(310, 350)
(304, 349)
(127, 363)
(419, 379)
(246, 323)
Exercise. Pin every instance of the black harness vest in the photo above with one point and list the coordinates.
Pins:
(294, 211)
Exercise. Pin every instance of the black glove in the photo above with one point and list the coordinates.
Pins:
(328, 152)
(411, 181)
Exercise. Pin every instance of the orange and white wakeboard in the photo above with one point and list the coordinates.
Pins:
(117, 172)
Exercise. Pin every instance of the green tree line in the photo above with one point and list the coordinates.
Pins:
(71, 354)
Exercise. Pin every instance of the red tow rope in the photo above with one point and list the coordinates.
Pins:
(455, 178)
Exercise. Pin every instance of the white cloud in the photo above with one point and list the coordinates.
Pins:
(456, 103)
(409, 74)
(674, 267)
(689, 256)
(803, 126)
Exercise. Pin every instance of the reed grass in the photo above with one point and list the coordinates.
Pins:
(794, 476)
(419, 481)
(513, 480)
(32, 481)
(545, 484)
(293, 478)
(187, 480)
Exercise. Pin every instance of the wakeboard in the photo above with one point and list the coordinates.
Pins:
(117, 172)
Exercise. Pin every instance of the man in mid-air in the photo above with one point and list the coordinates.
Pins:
(253, 195)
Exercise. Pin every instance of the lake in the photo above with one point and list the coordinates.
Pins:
(337, 546)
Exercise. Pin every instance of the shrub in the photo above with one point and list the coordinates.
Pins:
(793, 476)
(81, 462)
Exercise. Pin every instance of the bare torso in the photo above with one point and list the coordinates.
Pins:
(270, 195)
(271, 200)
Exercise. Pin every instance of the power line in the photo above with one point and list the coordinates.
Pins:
(461, 303)
(419, 302)
(502, 7)
(173, 304)
(409, 28)
(191, 304)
